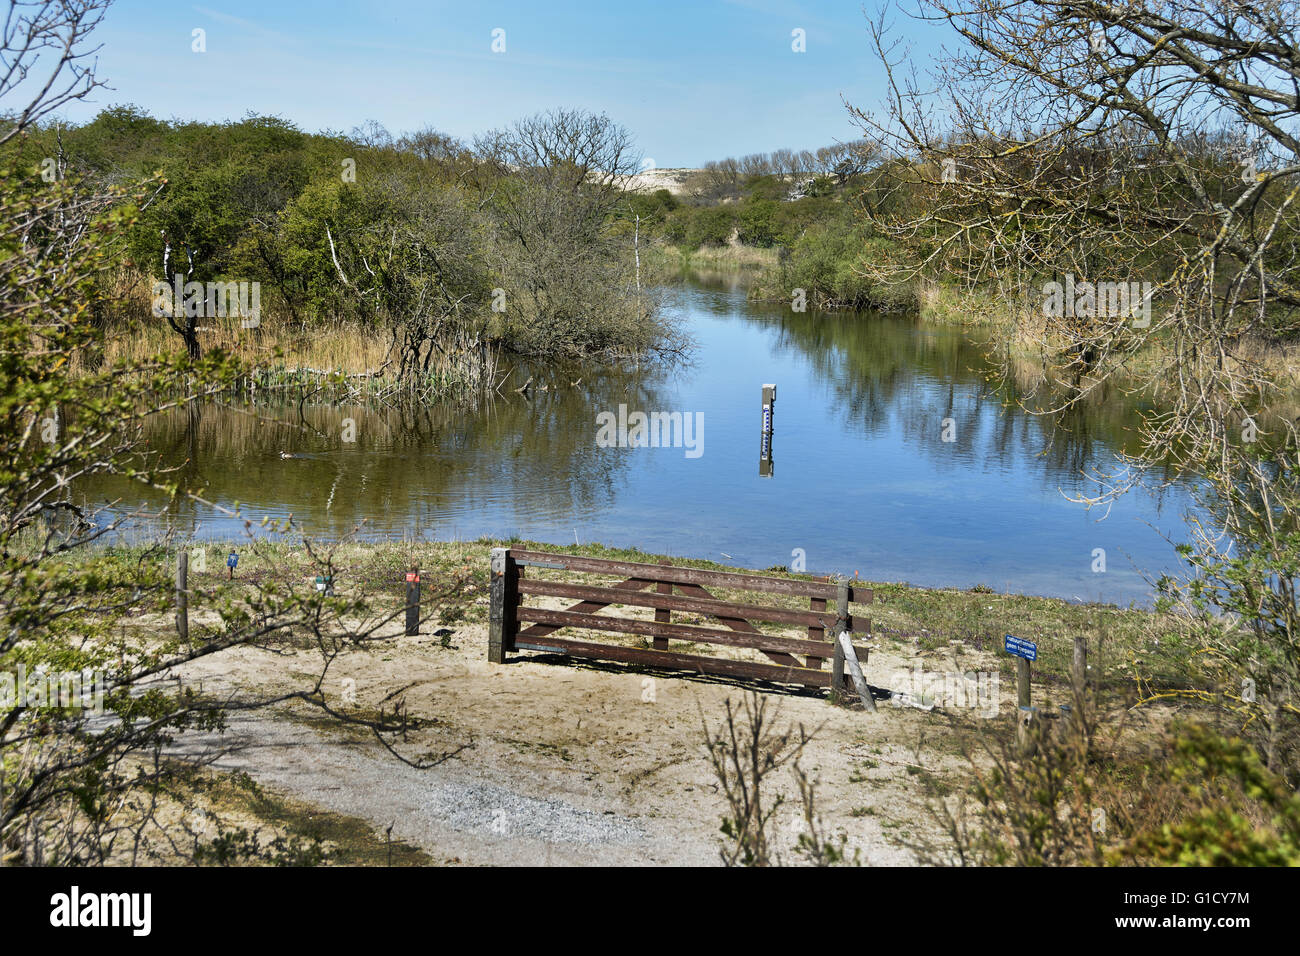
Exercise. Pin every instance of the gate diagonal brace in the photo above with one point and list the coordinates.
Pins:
(541, 630)
(740, 624)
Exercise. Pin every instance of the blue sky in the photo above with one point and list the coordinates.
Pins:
(693, 81)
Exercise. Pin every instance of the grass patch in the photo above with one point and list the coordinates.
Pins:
(344, 840)
(941, 623)
(670, 259)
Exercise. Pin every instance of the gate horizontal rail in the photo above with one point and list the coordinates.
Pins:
(510, 586)
(678, 575)
(673, 603)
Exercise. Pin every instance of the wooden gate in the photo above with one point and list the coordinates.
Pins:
(665, 588)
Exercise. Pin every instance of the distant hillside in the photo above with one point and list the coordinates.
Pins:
(673, 180)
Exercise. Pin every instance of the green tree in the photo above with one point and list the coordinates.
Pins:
(82, 783)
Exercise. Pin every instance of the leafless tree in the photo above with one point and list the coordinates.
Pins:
(571, 288)
(755, 164)
(46, 58)
(1152, 142)
(431, 145)
(372, 135)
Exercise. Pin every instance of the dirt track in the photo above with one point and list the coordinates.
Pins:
(568, 764)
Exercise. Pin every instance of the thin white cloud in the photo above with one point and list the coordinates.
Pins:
(248, 25)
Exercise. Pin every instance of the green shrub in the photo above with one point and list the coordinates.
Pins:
(758, 222)
(826, 261)
(709, 226)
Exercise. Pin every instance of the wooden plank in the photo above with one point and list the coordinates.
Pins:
(677, 632)
(740, 624)
(738, 614)
(679, 575)
(513, 573)
(541, 630)
(816, 605)
(662, 614)
(674, 661)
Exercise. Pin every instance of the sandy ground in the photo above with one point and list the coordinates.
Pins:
(567, 764)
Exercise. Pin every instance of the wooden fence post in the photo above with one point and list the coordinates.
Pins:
(1079, 680)
(844, 651)
(503, 599)
(1025, 713)
(838, 683)
(662, 614)
(182, 594)
(413, 601)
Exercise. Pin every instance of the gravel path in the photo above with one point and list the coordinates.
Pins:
(446, 810)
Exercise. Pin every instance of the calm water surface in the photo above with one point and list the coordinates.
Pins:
(862, 479)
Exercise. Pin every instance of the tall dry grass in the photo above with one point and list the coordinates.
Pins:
(734, 257)
(1027, 339)
(333, 347)
(280, 350)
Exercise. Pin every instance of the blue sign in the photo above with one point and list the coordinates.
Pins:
(1026, 649)
(232, 559)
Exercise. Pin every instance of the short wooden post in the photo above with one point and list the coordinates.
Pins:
(413, 601)
(838, 683)
(1065, 731)
(182, 594)
(1025, 714)
(503, 591)
(662, 614)
(1079, 681)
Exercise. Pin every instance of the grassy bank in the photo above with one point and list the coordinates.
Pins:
(347, 356)
(739, 258)
(1022, 331)
(940, 624)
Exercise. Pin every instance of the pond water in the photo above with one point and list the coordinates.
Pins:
(861, 477)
